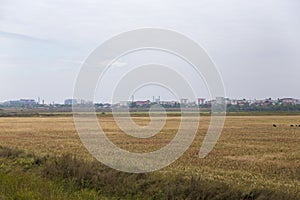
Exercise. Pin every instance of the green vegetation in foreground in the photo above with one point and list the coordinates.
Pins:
(27, 176)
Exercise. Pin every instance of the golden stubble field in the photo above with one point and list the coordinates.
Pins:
(250, 153)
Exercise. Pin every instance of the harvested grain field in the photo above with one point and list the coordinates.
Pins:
(250, 154)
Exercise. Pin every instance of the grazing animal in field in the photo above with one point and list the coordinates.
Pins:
(292, 125)
(274, 125)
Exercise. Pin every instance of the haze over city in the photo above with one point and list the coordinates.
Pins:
(255, 45)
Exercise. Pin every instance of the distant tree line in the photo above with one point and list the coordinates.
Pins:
(266, 108)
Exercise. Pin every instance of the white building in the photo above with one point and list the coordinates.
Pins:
(184, 101)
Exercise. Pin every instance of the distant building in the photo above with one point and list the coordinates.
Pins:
(240, 102)
(143, 103)
(157, 100)
(210, 102)
(220, 100)
(192, 104)
(124, 103)
(233, 101)
(227, 101)
(289, 101)
(184, 101)
(201, 101)
(168, 103)
(107, 105)
(27, 102)
(269, 102)
(71, 101)
(21, 102)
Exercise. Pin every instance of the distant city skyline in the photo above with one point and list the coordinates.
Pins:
(203, 99)
(254, 44)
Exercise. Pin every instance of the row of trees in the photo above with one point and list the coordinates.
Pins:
(238, 108)
(266, 108)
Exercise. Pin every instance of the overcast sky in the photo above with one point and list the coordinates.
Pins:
(255, 44)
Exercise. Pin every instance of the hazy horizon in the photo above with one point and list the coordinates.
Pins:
(255, 45)
(139, 99)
